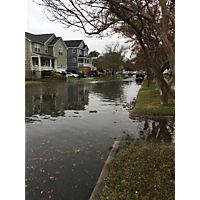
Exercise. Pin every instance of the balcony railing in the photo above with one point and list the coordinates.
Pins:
(36, 68)
(84, 64)
(46, 68)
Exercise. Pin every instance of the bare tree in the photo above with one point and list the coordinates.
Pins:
(113, 57)
(154, 19)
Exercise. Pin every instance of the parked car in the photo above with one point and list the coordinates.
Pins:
(71, 75)
(140, 75)
(167, 71)
(126, 76)
(125, 72)
(93, 73)
(83, 75)
(130, 73)
(134, 74)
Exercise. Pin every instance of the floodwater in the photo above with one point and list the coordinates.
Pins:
(70, 127)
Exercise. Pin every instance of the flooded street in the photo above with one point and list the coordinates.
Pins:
(70, 127)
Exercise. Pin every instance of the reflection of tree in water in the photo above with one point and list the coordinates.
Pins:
(112, 90)
(159, 130)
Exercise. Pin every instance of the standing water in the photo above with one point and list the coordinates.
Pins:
(69, 130)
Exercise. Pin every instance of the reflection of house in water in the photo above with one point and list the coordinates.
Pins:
(77, 96)
(48, 103)
(46, 100)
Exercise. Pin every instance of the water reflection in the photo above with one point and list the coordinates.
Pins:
(54, 99)
(71, 149)
(111, 90)
(157, 130)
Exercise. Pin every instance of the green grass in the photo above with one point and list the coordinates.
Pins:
(34, 82)
(148, 102)
(39, 81)
(142, 172)
(82, 79)
(114, 76)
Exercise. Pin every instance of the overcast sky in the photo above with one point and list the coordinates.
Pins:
(37, 23)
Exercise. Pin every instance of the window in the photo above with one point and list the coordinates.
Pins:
(73, 50)
(60, 51)
(74, 60)
(37, 47)
(46, 50)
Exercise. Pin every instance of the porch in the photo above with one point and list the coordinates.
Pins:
(36, 68)
(84, 62)
(42, 62)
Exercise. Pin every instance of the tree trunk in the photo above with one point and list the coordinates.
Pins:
(158, 86)
(148, 77)
(156, 68)
(163, 93)
(164, 96)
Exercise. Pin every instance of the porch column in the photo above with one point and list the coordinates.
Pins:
(31, 63)
(50, 63)
(39, 63)
(55, 65)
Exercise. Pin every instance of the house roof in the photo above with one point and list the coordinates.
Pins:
(53, 42)
(73, 43)
(44, 55)
(42, 38)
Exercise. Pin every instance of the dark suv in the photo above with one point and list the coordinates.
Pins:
(93, 73)
(140, 75)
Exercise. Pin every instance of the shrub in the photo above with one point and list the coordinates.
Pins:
(63, 73)
(53, 73)
(46, 73)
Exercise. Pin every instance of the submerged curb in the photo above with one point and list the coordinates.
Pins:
(104, 173)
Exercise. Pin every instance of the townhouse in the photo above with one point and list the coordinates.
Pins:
(44, 52)
(77, 56)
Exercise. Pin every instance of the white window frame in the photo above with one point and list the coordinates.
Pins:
(73, 50)
(37, 47)
(60, 51)
(74, 60)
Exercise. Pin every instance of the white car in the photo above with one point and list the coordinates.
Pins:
(167, 71)
(71, 75)
(134, 74)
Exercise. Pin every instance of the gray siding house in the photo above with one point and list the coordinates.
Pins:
(44, 52)
(77, 56)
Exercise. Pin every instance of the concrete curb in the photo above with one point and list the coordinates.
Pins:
(104, 173)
